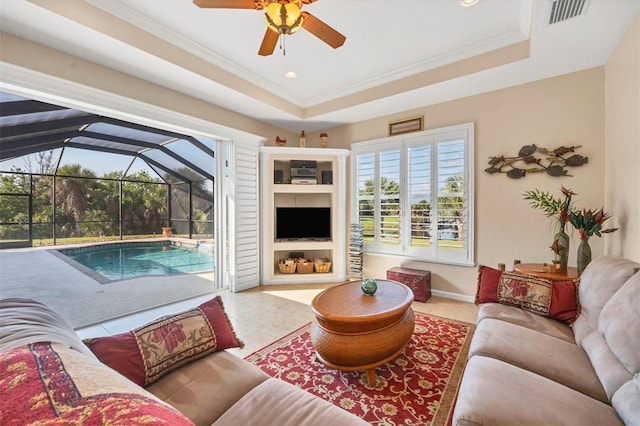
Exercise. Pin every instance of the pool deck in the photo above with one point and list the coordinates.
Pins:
(39, 273)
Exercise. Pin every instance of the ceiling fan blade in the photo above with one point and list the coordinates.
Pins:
(323, 31)
(268, 43)
(226, 4)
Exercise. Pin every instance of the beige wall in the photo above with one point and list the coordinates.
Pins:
(622, 149)
(561, 111)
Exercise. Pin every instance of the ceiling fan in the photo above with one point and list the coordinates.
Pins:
(283, 17)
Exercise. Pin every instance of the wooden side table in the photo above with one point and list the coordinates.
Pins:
(547, 272)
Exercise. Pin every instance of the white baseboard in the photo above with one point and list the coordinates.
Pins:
(454, 296)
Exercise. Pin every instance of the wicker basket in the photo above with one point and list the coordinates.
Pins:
(305, 268)
(322, 266)
(287, 269)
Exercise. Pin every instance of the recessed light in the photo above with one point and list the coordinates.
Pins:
(290, 75)
(468, 3)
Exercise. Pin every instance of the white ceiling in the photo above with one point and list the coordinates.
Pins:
(399, 54)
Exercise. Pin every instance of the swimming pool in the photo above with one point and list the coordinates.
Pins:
(123, 261)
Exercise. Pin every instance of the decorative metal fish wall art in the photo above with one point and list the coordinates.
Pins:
(532, 159)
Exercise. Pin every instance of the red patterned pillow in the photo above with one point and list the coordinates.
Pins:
(49, 383)
(554, 299)
(149, 352)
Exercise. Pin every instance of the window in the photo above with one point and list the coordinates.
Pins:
(414, 194)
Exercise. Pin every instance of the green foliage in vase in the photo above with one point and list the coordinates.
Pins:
(552, 205)
(589, 222)
(545, 201)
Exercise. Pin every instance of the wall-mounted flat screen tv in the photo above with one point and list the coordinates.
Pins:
(303, 223)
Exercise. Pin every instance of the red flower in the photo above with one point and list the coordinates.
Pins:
(567, 192)
(519, 288)
(170, 335)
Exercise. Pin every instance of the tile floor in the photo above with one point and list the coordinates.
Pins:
(266, 313)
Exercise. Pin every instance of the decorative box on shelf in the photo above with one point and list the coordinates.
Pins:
(417, 280)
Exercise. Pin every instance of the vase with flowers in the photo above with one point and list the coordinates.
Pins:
(560, 209)
(588, 223)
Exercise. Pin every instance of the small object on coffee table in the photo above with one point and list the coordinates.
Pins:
(369, 286)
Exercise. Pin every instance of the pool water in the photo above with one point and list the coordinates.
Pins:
(119, 262)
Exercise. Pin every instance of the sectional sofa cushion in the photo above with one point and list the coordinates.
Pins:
(50, 383)
(614, 347)
(149, 352)
(515, 315)
(561, 361)
(26, 321)
(205, 389)
(274, 402)
(602, 278)
(554, 299)
(626, 401)
(497, 393)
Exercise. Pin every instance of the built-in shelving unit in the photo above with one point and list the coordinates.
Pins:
(329, 190)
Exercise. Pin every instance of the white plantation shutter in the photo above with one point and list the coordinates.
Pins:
(365, 190)
(419, 196)
(389, 193)
(244, 211)
(422, 198)
(453, 194)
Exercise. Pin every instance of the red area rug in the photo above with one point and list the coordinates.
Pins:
(417, 388)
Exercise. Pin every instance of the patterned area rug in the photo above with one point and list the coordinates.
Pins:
(418, 388)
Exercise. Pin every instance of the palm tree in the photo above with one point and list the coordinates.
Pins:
(389, 206)
(451, 208)
(73, 193)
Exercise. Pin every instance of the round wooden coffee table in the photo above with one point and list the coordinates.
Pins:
(353, 331)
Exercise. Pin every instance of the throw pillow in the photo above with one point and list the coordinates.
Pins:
(50, 383)
(553, 299)
(149, 352)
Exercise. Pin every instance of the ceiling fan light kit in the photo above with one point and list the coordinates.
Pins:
(283, 17)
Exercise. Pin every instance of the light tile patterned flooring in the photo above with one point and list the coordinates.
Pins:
(264, 314)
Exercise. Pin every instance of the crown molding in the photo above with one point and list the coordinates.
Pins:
(479, 48)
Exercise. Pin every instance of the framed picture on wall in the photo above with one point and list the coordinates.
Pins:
(408, 125)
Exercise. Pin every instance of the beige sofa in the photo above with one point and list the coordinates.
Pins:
(526, 369)
(220, 388)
